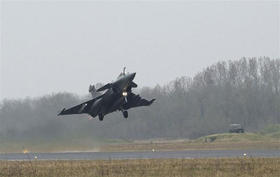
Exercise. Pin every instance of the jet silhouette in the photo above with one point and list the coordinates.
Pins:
(118, 96)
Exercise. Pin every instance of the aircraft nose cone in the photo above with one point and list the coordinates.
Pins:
(132, 75)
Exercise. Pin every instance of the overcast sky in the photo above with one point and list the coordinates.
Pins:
(52, 46)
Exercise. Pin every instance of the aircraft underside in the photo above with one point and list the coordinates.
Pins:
(118, 95)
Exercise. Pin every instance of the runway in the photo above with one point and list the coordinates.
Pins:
(141, 155)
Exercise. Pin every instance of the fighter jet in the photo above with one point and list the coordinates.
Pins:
(118, 96)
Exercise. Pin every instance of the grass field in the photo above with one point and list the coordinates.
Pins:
(268, 138)
(212, 142)
(180, 146)
(228, 167)
(224, 141)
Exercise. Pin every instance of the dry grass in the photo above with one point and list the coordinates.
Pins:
(166, 145)
(179, 146)
(224, 141)
(227, 167)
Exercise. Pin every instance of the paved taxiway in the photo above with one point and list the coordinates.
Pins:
(140, 155)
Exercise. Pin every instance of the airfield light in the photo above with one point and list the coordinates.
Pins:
(25, 151)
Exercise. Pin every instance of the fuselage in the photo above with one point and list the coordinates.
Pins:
(117, 96)
(114, 98)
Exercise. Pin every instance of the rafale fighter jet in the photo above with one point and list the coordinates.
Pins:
(118, 96)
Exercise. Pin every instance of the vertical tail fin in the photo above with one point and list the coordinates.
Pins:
(92, 90)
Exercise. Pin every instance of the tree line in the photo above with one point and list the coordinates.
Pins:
(244, 91)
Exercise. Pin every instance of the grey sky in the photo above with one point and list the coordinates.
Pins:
(48, 47)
